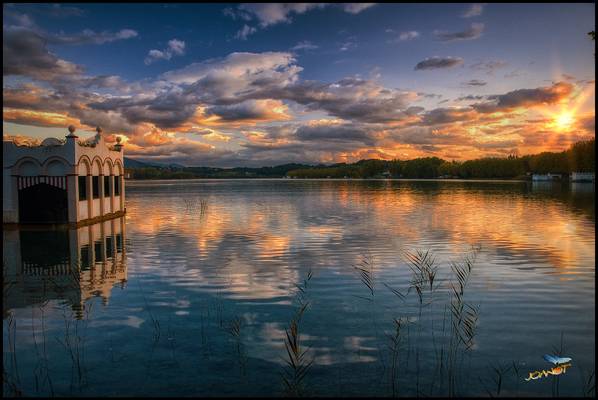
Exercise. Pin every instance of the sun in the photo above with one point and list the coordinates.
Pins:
(564, 120)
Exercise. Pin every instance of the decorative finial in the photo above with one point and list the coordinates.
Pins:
(98, 129)
(118, 146)
(72, 132)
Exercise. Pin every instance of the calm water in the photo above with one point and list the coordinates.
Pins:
(190, 294)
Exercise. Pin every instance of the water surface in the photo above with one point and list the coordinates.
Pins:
(190, 293)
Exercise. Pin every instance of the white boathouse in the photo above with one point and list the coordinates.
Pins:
(63, 181)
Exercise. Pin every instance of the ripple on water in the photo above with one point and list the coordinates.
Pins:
(200, 255)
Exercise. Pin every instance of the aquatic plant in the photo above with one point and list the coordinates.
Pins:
(394, 346)
(41, 371)
(233, 328)
(193, 205)
(424, 268)
(155, 322)
(74, 343)
(463, 315)
(497, 378)
(12, 381)
(365, 268)
(588, 383)
(298, 362)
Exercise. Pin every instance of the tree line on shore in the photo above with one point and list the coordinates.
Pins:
(580, 157)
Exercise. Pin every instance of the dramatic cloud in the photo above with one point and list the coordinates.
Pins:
(333, 132)
(448, 115)
(167, 110)
(526, 98)
(175, 48)
(25, 54)
(257, 109)
(474, 32)
(474, 10)
(250, 111)
(237, 77)
(35, 118)
(354, 99)
(25, 50)
(438, 62)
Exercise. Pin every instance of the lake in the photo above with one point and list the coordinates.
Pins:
(395, 287)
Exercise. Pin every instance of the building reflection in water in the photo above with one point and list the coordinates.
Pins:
(72, 265)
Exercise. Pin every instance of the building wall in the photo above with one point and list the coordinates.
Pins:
(9, 208)
(71, 158)
(83, 212)
(96, 208)
(116, 203)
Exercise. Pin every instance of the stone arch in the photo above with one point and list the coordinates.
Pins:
(96, 166)
(108, 167)
(27, 166)
(56, 166)
(118, 168)
(84, 166)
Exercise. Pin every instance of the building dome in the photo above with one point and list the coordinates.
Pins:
(52, 142)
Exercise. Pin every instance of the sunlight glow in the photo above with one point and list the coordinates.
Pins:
(564, 120)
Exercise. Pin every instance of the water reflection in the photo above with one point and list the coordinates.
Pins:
(71, 265)
(348, 218)
(205, 257)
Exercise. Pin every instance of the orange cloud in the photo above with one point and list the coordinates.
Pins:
(40, 118)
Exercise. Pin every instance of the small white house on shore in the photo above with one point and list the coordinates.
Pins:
(63, 181)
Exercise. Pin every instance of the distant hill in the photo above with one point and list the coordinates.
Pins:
(580, 157)
(131, 163)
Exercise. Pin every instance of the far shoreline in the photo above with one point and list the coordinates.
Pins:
(346, 179)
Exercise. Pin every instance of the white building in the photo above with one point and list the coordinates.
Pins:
(546, 177)
(63, 181)
(583, 177)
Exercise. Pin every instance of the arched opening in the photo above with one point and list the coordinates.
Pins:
(44, 249)
(28, 168)
(43, 203)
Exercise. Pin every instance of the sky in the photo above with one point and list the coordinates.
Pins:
(258, 84)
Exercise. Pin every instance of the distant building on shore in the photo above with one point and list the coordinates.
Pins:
(583, 177)
(63, 181)
(546, 177)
